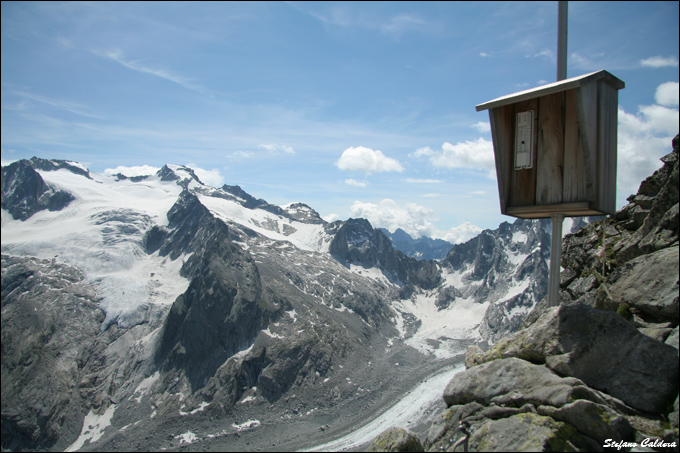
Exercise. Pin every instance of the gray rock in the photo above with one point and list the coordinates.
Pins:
(529, 432)
(596, 421)
(515, 382)
(649, 283)
(603, 350)
(472, 355)
(673, 338)
(396, 439)
(658, 333)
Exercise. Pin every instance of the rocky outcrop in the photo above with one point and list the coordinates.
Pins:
(602, 368)
(50, 322)
(513, 259)
(356, 242)
(603, 350)
(596, 255)
(396, 439)
(219, 314)
(24, 192)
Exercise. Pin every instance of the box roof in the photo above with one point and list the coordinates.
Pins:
(556, 87)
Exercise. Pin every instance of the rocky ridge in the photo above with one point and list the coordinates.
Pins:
(600, 370)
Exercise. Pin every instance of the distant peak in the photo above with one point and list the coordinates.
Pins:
(180, 173)
(57, 164)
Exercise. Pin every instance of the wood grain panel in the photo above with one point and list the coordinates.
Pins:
(550, 159)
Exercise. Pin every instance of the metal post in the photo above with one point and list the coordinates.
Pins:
(562, 41)
(555, 258)
(558, 219)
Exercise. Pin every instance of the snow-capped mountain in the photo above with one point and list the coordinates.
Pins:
(155, 303)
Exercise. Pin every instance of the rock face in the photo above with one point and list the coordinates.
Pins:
(357, 243)
(600, 368)
(50, 324)
(603, 350)
(24, 192)
(219, 314)
(513, 256)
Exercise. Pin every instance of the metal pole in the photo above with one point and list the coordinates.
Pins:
(558, 219)
(555, 258)
(562, 40)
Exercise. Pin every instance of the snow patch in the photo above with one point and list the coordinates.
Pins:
(93, 428)
(200, 408)
(250, 424)
(187, 438)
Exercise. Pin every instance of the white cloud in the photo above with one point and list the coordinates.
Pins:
(401, 23)
(424, 181)
(367, 160)
(275, 148)
(461, 233)
(68, 106)
(667, 94)
(210, 177)
(483, 54)
(241, 154)
(330, 217)
(475, 155)
(642, 140)
(416, 220)
(355, 183)
(117, 56)
(659, 62)
(482, 126)
(137, 170)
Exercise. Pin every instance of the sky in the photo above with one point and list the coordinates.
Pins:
(358, 109)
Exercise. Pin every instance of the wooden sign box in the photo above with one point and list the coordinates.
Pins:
(555, 147)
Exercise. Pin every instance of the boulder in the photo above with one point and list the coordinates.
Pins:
(649, 283)
(396, 439)
(603, 350)
(514, 382)
(529, 432)
(596, 421)
(472, 356)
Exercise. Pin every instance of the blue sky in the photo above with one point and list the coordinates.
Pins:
(357, 109)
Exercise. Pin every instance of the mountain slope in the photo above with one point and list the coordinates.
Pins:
(211, 304)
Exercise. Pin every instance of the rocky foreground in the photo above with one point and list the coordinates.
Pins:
(598, 372)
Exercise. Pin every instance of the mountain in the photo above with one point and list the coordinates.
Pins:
(423, 248)
(153, 312)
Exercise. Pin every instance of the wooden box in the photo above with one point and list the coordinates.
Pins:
(555, 147)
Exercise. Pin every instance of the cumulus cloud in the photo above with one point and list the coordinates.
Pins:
(667, 94)
(643, 138)
(210, 177)
(482, 126)
(137, 170)
(474, 155)
(660, 62)
(416, 220)
(367, 160)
